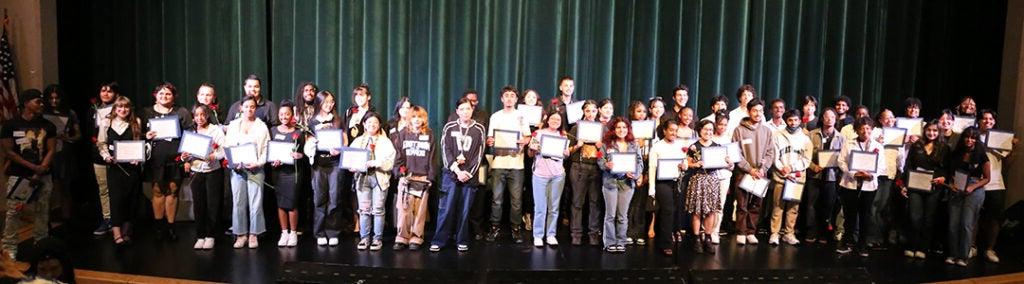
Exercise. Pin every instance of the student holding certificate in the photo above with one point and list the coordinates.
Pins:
(927, 154)
(417, 172)
(664, 152)
(325, 171)
(371, 186)
(462, 149)
(506, 173)
(895, 157)
(702, 196)
(65, 121)
(605, 111)
(793, 153)
(821, 196)
(285, 177)
(163, 169)
(585, 177)
(207, 178)
(101, 108)
(946, 128)
(124, 178)
(641, 207)
(29, 144)
(912, 110)
(755, 142)
(995, 190)
(548, 181)
(247, 179)
(969, 158)
(618, 187)
(859, 183)
(722, 137)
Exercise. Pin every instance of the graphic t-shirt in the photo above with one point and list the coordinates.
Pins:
(29, 141)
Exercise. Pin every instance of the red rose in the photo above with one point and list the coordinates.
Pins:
(373, 147)
(401, 170)
(224, 163)
(599, 154)
(797, 174)
(177, 158)
(686, 149)
(899, 183)
(213, 106)
(353, 110)
(806, 119)
(295, 136)
(876, 150)
(215, 146)
(94, 140)
(554, 101)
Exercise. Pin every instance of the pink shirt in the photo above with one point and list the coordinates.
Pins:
(545, 166)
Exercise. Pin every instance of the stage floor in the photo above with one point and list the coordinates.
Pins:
(147, 256)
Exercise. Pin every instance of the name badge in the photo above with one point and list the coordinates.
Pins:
(424, 137)
(747, 141)
(279, 137)
(19, 134)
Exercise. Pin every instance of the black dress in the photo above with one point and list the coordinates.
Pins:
(162, 166)
(283, 176)
(124, 181)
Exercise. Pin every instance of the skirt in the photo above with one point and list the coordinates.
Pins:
(703, 195)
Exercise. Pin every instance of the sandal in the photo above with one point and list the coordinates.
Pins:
(120, 241)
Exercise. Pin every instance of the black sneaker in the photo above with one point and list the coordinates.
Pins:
(493, 234)
(171, 235)
(577, 241)
(398, 246)
(595, 240)
(698, 245)
(103, 229)
(414, 246)
(516, 236)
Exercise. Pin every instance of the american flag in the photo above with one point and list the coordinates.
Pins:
(8, 84)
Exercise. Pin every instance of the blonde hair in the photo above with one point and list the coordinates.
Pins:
(420, 111)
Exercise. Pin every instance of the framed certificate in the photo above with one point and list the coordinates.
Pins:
(735, 155)
(574, 112)
(506, 139)
(714, 157)
(960, 180)
(961, 122)
(828, 159)
(354, 159)
(195, 144)
(165, 127)
(553, 146)
(914, 126)
(329, 139)
(102, 113)
(643, 129)
(280, 151)
(623, 162)
(894, 136)
(531, 114)
(999, 140)
(863, 161)
(130, 151)
(757, 187)
(792, 190)
(668, 169)
(242, 155)
(919, 180)
(589, 131)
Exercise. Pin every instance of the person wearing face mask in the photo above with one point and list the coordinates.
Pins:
(858, 188)
(162, 169)
(927, 154)
(755, 145)
(820, 194)
(965, 201)
(793, 151)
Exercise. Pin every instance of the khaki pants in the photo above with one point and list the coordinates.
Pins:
(791, 209)
(101, 183)
(412, 216)
(38, 209)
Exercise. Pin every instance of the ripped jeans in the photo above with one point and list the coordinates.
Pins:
(371, 195)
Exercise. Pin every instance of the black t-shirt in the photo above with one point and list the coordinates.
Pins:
(29, 141)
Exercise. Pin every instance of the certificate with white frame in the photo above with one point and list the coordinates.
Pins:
(243, 155)
(999, 140)
(531, 114)
(552, 146)
(506, 139)
(280, 151)
(757, 187)
(574, 112)
(919, 180)
(589, 131)
(623, 162)
(792, 190)
(643, 129)
(714, 157)
(893, 136)
(328, 139)
(668, 169)
(961, 122)
(354, 159)
(735, 155)
(914, 126)
(828, 159)
(195, 144)
(130, 151)
(863, 161)
(165, 127)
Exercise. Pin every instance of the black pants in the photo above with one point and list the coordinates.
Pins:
(922, 206)
(857, 211)
(124, 183)
(820, 203)
(207, 190)
(665, 195)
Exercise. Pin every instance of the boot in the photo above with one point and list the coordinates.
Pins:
(698, 244)
(171, 235)
(709, 247)
(516, 236)
(160, 225)
(493, 234)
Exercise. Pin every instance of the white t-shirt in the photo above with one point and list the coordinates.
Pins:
(511, 121)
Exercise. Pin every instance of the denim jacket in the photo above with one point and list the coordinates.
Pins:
(610, 180)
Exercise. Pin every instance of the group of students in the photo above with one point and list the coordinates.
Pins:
(612, 207)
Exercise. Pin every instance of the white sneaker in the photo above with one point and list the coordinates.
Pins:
(961, 263)
(920, 254)
(741, 239)
(991, 256)
(552, 241)
(283, 241)
(538, 242)
(714, 239)
(332, 242)
(790, 239)
(950, 260)
(751, 239)
(199, 244)
(208, 243)
(773, 239)
(973, 253)
(321, 241)
(240, 241)
(253, 242)
(908, 253)
(293, 239)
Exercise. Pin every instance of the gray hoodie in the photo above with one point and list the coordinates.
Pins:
(755, 144)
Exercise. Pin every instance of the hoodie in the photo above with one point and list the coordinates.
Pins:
(793, 150)
(755, 144)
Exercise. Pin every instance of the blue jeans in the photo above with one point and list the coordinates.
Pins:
(963, 218)
(326, 199)
(513, 181)
(616, 202)
(371, 206)
(247, 209)
(453, 203)
(547, 193)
